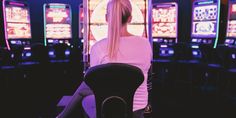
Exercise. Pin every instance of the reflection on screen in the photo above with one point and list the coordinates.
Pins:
(58, 22)
(204, 21)
(18, 22)
(164, 18)
(231, 30)
(98, 26)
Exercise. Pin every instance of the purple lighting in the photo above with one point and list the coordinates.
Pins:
(51, 53)
(28, 54)
(67, 52)
(16, 4)
(234, 56)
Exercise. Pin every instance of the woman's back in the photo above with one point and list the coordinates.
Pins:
(133, 50)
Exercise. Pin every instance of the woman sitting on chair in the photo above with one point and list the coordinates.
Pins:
(119, 47)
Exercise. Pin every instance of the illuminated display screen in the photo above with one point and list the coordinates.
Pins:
(81, 19)
(58, 21)
(205, 19)
(18, 22)
(231, 29)
(98, 27)
(164, 20)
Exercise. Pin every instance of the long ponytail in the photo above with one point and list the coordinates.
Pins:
(118, 11)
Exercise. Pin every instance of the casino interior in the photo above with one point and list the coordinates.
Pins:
(45, 55)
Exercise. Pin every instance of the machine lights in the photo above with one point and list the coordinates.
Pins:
(171, 52)
(164, 46)
(67, 52)
(195, 53)
(195, 47)
(82, 41)
(234, 56)
(51, 53)
(155, 40)
(28, 54)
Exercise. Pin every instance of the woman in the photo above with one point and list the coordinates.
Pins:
(122, 47)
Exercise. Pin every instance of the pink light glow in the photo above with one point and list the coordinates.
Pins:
(234, 8)
(16, 4)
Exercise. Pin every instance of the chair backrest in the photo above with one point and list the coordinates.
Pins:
(114, 83)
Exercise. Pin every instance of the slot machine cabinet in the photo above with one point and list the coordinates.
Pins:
(208, 23)
(95, 26)
(81, 25)
(231, 24)
(164, 28)
(2, 41)
(57, 24)
(17, 24)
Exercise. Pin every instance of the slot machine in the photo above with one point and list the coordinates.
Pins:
(95, 26)
(81, 25)
(164, 29)
(57, 24)
(207, 24)
(231, 26)
(17, 25)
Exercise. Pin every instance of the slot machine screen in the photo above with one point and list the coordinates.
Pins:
(17, 21)
(164, 19)
(81, 19)
(204, 22)
(97, 24)
(231, 29)
(58, 21)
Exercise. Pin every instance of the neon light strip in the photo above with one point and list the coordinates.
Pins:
(58, 6)
(16, 4)
(205, 2)
(5, 23)
(218, 24)
(44, 21)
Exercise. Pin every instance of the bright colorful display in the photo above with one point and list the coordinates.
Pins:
(97, 24)
(17, 22)
(231, 30)
(81, 21)
(58, 21)
(205, 19)
(164, 20)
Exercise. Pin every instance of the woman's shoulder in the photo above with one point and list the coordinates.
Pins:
(100, 43)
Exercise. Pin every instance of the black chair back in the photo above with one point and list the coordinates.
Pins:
(114, 83)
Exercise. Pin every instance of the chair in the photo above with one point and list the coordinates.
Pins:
(114, 85)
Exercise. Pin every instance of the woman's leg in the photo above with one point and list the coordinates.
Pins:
(89, 106)
(82, 91)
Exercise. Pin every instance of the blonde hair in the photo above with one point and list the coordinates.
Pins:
(118, 12)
